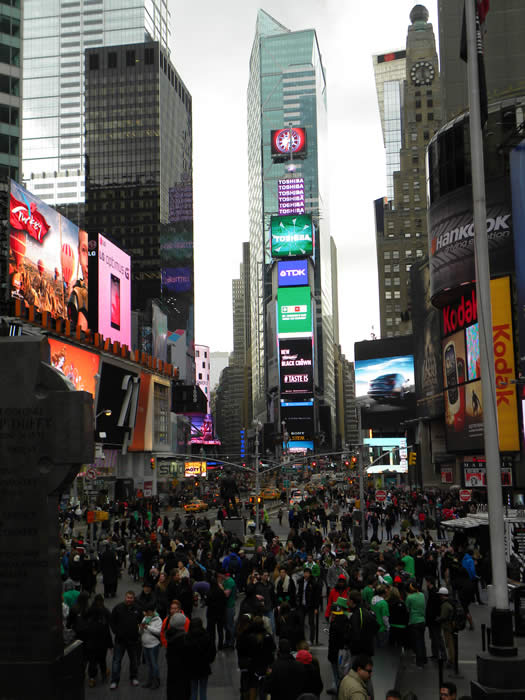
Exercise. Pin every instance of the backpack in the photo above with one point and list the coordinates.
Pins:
(233, 565)
(459, 618)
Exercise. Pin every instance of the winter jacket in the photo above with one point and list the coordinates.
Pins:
(198, 653)
(125, 620)
(150, 633)
(287, 679)
(352, 688)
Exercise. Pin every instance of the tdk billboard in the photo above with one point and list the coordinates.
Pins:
(292, 273)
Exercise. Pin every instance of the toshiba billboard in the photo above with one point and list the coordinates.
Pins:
(462, 373)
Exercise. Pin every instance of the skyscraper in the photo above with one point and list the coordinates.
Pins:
(10, 87)
(139, 177)
(401, 223)
(390, 74)
(287, 89)
(55, 38)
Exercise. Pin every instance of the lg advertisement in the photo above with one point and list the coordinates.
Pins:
(462, 371)
(114, 292)
(292, 273)
(77, 365)
(296, 368)
(289, 141)
(291, 235)
(294, 312)
(384, 381)
(48, 258)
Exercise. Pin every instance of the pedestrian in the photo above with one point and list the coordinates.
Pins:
(354, 685)
(339, 636)
(398, 619)
(97, 639)
(309, 599)
(448, 691)
(446, 620)
(285, 590)
(125, 620)
(216, 609)
(178, 680)
(287, 677)
(363, 626)
(150, 629)
(415, 604)
(381, 611)
(110, 568)
(230, 590)
(199, 654)
(313, 682)
(433, 611)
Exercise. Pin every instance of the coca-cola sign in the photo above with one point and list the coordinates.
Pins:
(28, 219)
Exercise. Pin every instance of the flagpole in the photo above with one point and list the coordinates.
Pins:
(502, 634)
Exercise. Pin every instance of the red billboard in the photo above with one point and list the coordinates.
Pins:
(77, 365)
(289, 141)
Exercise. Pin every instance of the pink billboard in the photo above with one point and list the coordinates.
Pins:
(114, 292)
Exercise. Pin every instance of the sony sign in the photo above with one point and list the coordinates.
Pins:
(292, 273)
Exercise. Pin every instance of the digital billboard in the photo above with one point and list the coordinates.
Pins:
(299, 425)
(517, 179)
(296, 368)
(119, 388)
(292, 273)
(294, 312)
(159, 327)
(77, 365)
(48, 258)
(114, 291)
(290, 195)
(291, 235)
(384, 381)
(202, 431)
(291, 140)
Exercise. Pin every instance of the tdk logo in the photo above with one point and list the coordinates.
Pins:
(292, 273)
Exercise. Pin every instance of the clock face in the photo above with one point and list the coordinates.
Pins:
(286, 140)
(422, 73)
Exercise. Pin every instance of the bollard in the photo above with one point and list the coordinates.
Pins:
(483, 637)
(456, 653)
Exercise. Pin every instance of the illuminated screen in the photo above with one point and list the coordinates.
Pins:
(296, 368)
(48, 258)
(177, 279)
(290, 195)
(299, 427)
(202, 430)
(291, 235)
(114, 292)
(292, 139)
(77, 365)
(294, 312)
(388, 380)
(292, 273)
(473, 357)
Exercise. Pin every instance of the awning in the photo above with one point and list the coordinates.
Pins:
(465, 523)
(382, 468)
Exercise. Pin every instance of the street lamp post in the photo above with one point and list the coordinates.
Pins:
(104, 412)
(257, 426)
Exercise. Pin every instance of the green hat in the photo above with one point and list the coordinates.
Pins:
(342, 603)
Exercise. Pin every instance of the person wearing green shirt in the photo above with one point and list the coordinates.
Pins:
(368, 592)
(409, 564)
(230, 590)
(382, 613)
(415, 604)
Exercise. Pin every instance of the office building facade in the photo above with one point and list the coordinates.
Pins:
(401, 224)
(55, 38)
(287, 89)
(10, 87)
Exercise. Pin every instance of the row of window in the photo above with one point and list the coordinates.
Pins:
(397, 295)
(395, 267)
(9, 85)
(9, 54)
(395, 254)
(9, 115)
(430, 117)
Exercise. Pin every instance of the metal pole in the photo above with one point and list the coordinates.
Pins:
(257, 485)
(488, 379)
(362, 507)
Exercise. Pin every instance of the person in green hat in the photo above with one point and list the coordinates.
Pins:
(382, 613)
(338, 640)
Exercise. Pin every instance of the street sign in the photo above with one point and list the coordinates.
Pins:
(286, 483)
(403, 452)
(465, 495)
(91, 474)
(380, 495)
(403, 463)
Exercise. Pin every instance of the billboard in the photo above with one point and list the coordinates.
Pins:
(296, 368)
(202, 431)
(427, 345)
(517, 179)
(292, 273)
(48, 258)
(291, 235)
(159, 328)
(299, 425)
(119, 388)
(462, 372)
(294, 312)
(193, 470)
(289, 141)
(77, 365)
(384, 381)
(451, 237)
(290, 195)
(114, 291)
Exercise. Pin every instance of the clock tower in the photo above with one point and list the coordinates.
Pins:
(401, 224)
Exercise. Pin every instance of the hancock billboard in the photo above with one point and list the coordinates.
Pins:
(294, 312)
(291, 235)
(292, 273)
(48, 258)
(296, 368)
(451, 236)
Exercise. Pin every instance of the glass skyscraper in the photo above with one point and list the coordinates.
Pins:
(56, 33)
(10, 88)
(287, 87)
(390, 74)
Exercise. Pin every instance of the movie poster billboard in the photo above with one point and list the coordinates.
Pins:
(291, 235)
(296, 368)
(202, 431)
(294, 312)
(77, 365)
(384, 381)
(48, 258)
(427, 345)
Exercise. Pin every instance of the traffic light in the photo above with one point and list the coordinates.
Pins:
(258, 499)
(412, 458)
(153, 462)
(314, 464)
(347, 463)
(197, 484)
(354, 461)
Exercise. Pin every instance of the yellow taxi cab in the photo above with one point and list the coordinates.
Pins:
(195, 506)
(270, 494)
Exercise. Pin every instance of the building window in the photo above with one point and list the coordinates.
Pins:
(431, 116)
(407, 267)
(419, 253)
(112, 59)
(388, 281)
(396, 281)
(418, 104)
(149, 56)
(197, 353)
(395, 254)
(388, 307)
(93, 61)
(205, 353)
(395, 268)
(413, 136)
(418, 234)
(397, 295)
(408, 235)
(397, 307)
(415, 160)
(200, 375)
(408, 253)
(417, 93)
(390, 224)
(430, 103)
(130, 58)
(406, 198)
(429, 93)
(161, 414)
(418, 117)
(389, 321)
(386, 255)
(387, 268)
(388, 295)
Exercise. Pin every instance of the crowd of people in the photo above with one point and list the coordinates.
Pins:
(202, 593)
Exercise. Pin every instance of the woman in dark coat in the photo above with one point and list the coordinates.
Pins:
(178, 681)
(199, 653)
(97, 639)
(110, 568)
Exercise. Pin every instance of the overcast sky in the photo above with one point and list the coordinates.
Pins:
(211, 44)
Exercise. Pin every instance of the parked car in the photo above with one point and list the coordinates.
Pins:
(388, 387)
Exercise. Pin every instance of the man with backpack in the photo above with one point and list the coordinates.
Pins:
(449, 619)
